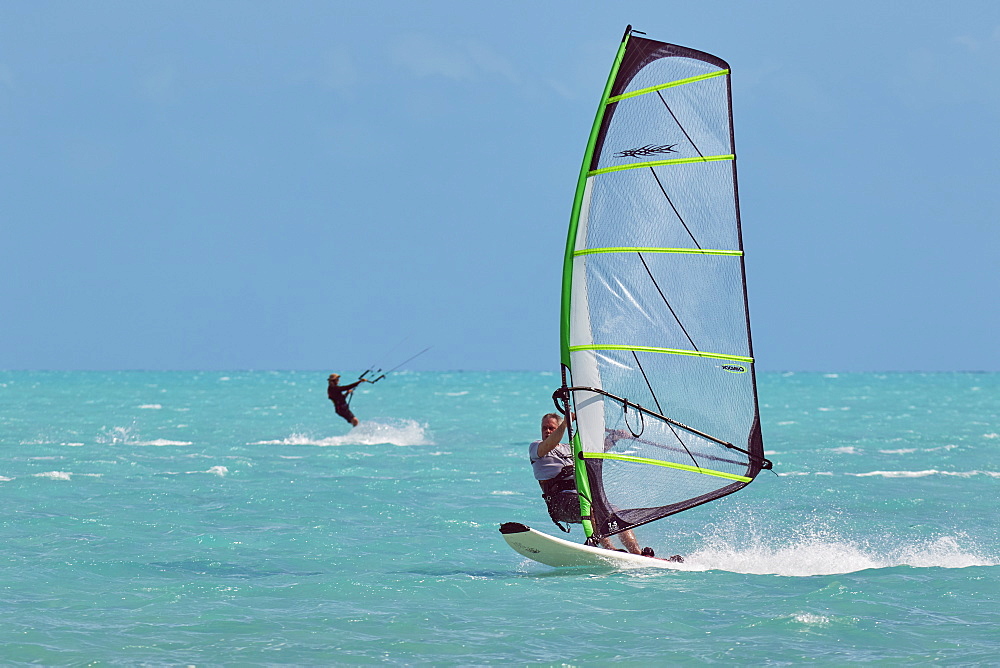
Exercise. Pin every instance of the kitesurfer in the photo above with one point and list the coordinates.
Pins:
(552, 464)
(338, 395)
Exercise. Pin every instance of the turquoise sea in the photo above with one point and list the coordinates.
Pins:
(231, 518)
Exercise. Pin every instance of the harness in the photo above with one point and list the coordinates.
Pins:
(561, 498)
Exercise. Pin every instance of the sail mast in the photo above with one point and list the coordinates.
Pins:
(582, 482)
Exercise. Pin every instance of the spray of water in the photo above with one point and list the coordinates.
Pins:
(815, 548)
(374, 432)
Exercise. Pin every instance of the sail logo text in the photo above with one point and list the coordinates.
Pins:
(647, 150)
(734, 368)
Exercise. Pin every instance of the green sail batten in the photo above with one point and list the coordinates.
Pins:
(660, 163)
(582, 482)
(667, 351)
(679, 82)
(638, 249)
(660, 462)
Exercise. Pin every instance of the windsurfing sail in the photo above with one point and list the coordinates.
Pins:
(655, 333)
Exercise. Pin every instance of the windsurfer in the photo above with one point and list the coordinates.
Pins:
(552, 464)
(338, 395)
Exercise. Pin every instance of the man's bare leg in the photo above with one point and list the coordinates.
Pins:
(628, 540)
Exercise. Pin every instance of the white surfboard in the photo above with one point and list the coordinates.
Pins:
(553, 551)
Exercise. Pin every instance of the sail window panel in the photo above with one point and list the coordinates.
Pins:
(637, 516)
(702, 393)
(664, 300)
(629, 485)
(688, 121)
(673, 206)
(657, 441)
(638, 491)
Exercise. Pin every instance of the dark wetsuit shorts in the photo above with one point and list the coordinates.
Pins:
(345, 412)
(561, 498)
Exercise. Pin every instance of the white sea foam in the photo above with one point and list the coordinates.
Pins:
(220, 471)
(810, 556)
(845, 450)
(827, 554)
(969, 474)
(943, 552)
(151, 406)
(130, 436)
(64, 475)
(898, 474)
(395, 432)
(54, 475)
(906, 451)
(923, 474)
(161, 442)
(810, 619)
(116, 435)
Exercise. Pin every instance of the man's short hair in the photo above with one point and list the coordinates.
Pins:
(555, 416)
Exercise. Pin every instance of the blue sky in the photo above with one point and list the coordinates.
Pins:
(321, 185)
